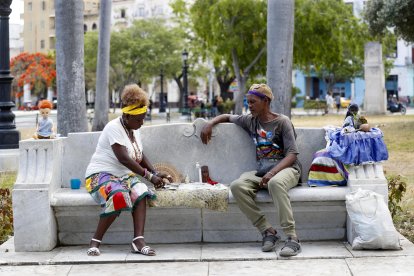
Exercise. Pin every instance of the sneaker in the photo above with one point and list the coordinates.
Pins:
(269, 241)
(291, 248)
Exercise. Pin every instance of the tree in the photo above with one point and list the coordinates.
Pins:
(236, 31)
(329, 40)
(395, 14)
(138, 53)
(69, 67)
(280, 31)
(223, 72)
(102, 79)
(38, 70)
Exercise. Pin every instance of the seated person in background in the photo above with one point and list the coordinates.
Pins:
(354, 120)
(44, 128)
(114, 176)
(278, 169)
(205, 174)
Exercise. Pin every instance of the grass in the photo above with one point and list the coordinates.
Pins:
(7, 180)
(399, 138)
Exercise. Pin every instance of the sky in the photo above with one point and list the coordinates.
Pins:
(17, 7)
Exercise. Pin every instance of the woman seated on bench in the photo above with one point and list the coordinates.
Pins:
(115, 172)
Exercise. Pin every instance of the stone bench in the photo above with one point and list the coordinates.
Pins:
(48, 213)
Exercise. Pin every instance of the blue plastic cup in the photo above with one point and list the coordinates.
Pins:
(75, 183)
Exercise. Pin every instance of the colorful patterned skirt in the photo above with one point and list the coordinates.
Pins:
(116, 194)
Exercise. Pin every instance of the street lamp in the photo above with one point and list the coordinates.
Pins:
(9, 135)
(162, 105)
(184, 56)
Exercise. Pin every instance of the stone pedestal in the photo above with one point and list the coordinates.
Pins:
(375, 94)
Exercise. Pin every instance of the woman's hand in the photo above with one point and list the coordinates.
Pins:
(157, 181)
(165, 176)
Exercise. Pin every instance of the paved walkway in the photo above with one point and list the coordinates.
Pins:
(331, 258)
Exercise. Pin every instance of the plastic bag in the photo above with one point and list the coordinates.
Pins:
(372, 221)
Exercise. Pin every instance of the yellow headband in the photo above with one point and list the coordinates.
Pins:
(134, 110)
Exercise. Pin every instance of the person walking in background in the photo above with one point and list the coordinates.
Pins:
(278, 169)
(329, 102)
(338, 103)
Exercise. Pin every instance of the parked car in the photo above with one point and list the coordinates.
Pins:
(345, 102)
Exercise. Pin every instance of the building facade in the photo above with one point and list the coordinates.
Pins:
(39, 23)
(15, 39)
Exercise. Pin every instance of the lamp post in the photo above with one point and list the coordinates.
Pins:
(185, 110)
(162, 104)
(9, 135)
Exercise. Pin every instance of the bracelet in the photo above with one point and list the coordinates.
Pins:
(272, 174)
(147, 175)
(150, 175)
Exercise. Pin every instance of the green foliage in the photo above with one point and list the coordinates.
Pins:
(233, 32)
(227, 106)
(396, 14)
(404, 223)
(6, 215)
(329, 40)
(396, 189)
(314, 104)
(138, 53)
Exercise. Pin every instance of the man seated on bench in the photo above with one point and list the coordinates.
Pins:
(278, 168)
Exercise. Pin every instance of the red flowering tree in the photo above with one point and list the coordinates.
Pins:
(38, 69)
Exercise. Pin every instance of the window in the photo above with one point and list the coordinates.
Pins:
(94, 26)
(43, 5)
(141, 12)
(85, 28)
(412, 55)
(42, 44)
(42, 24)
(29, 6)
(123, 13)
(52, 23)
(52, 43)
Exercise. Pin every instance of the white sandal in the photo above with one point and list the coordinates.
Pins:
(94, 251)
(146, 250)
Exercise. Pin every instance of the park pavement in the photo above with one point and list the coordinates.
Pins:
(331, 258)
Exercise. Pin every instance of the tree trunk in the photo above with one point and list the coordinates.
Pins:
(224, 79)
(180, 89)
(102, 68)
(70, 67)
(241, 80)
(280, 31)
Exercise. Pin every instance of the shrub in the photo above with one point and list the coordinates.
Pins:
(396, 190)
(314, 104)
(227, 106)
(6, 215)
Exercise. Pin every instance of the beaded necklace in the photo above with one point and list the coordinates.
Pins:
(137, 155)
